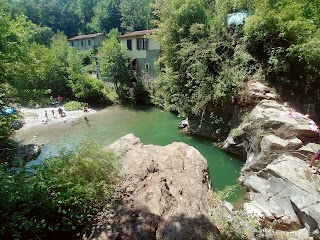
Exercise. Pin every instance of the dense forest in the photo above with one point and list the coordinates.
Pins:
(204, 61)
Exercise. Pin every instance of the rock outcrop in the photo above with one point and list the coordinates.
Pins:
(26, 153)
(217, 119)
(166, 193)
(279, 144)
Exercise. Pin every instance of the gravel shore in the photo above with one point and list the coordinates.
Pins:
(34, 125)
(35, 117)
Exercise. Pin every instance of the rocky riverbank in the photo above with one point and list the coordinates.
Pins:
(279, 144)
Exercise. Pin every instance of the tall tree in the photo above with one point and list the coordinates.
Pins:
(106, 16)
(13, 46)
(68, 16)
(114, 61)
(136, 15)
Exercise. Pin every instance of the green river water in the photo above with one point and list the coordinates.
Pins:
(152, 126)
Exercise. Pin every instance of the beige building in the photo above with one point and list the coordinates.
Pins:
(85, 42)
(142, 49)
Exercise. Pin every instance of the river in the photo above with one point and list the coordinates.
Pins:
(152, 126)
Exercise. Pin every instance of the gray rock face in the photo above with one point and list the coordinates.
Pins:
(26, 153)
(258, 91)
(287, 192)
(279, 144)
(166, 189)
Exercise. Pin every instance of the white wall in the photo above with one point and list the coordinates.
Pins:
(135, 53)
(93, 42)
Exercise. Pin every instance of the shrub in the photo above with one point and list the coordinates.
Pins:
(74, 105)
(60, 195)
(111, 92)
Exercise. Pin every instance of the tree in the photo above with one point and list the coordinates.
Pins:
(136, 15)
(13, 45)
(114, 62)
(106, 16)
(82, 84)
(284, 36)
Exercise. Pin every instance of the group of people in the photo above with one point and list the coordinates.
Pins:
(61, 113)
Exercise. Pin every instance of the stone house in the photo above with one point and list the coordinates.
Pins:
(85, 42)
(143, 50)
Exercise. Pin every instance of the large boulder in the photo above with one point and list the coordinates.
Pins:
(165, 193)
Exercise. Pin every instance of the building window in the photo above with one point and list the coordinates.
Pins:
(129, 44)
(142, 43)
(146, 65)
(89, 42)
(72, 44)
(81, 43)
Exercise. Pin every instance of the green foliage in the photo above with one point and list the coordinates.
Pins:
(140, 94)
(136, 15)
(284, 37)
(61, 194)
(88, 88)
(111, 92)
(115, 63)
(165, 90)
(201, 63)
(73, 17)
(225, 193)
(106, 16)
(74, 105)
(13, 45)
(281, 30)
(176, 18)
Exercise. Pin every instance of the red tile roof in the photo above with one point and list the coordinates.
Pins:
(85, 36)
(137, 33)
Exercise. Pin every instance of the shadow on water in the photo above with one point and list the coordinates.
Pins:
(137, 107)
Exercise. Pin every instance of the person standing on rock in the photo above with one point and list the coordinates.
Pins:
(52, 113)
(46, 114)
(316, 157)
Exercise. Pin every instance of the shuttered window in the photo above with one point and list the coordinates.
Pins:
(129, 44)
(142, 43)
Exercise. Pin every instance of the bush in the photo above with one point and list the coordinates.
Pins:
(88, 88)
(60, 195)
(111, 92)
(74, 105)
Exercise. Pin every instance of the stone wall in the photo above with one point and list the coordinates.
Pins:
(151, 58)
